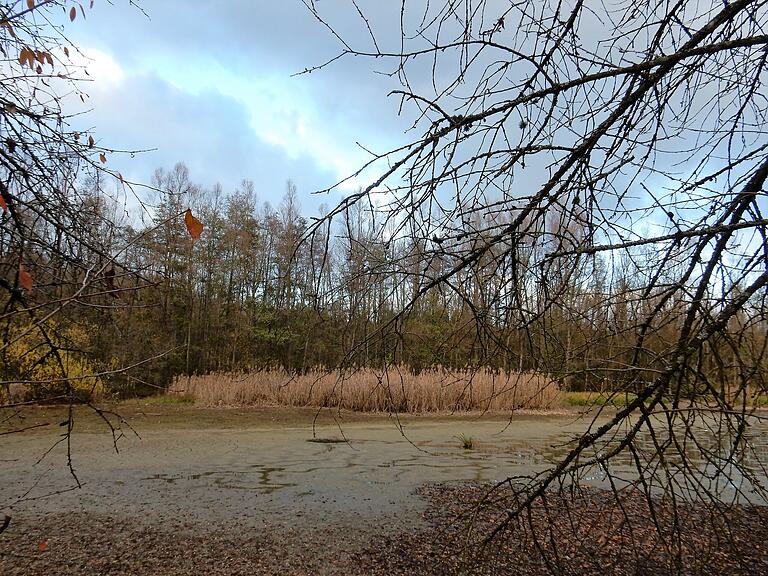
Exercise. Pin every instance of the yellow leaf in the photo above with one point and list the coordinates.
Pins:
(25, 279)
(194, 226)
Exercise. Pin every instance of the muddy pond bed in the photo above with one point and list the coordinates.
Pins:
(276, 491)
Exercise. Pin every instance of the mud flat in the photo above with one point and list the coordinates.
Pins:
(244, 491)
(266, 466)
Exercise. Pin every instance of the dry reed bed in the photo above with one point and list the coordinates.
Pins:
(372, 391)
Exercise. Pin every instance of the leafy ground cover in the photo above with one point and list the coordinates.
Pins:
(592, 534)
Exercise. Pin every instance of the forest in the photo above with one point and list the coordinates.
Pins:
(255, 292)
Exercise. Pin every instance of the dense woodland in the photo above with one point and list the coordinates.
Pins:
(256, 291)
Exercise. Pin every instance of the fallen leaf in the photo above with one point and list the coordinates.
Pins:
(43, 546)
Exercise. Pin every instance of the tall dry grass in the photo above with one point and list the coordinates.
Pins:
(371, 391)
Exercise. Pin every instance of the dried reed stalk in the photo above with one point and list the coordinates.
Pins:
(367, 390)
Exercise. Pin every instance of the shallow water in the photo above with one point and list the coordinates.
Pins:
(262, 469)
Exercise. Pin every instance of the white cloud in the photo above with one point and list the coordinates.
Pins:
(281, 111)
(102, 69)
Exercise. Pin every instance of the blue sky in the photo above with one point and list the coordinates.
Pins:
(211, 84)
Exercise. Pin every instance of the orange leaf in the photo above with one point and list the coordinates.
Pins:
(30, 4)
(43, 546)
(72, 14)
(3, 205)
(194, 226)
(103, 158)
(25, 279)
(26, 57)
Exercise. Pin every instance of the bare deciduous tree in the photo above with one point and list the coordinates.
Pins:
(588, 182)
(65, 268)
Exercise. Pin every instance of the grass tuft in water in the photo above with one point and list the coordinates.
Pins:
(466, 441)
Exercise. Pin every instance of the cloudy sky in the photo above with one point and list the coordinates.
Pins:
(211, 83)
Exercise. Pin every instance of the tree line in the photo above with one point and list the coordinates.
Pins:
(265, 287)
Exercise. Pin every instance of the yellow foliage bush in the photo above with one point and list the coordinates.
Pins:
(33, 362)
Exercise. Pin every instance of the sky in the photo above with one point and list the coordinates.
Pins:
(212, 84)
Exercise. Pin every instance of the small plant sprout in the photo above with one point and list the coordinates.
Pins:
(466, 441)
